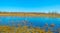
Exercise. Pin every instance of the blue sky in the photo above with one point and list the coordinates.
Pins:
(30, 6)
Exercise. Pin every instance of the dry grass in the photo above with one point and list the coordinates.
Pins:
(25, 29)
(30, 14)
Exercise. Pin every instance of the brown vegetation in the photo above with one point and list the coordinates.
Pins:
(30, 14)
(24, 29)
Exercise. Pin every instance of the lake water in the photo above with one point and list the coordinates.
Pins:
(36, 21)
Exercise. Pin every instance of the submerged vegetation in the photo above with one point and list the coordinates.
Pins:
(22, 27)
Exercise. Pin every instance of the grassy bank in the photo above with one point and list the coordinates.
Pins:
(29, 14)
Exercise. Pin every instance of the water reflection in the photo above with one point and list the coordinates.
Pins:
(39, 23)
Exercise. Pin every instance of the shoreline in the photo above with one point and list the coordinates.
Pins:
(30, 14)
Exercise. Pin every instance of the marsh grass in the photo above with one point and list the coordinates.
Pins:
(26, 29)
